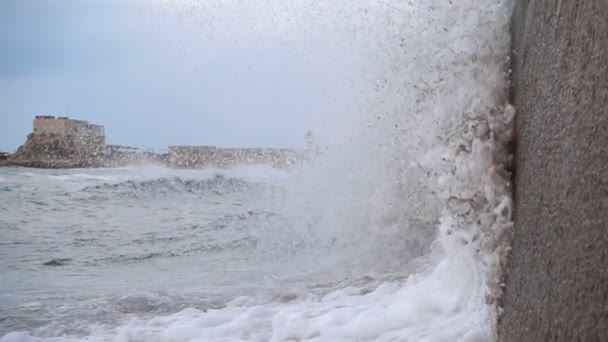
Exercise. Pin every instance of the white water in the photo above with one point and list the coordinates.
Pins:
(429, 143)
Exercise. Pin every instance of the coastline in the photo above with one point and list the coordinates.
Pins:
(62, 142)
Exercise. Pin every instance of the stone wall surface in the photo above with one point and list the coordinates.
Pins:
(557, 282)
(49, 125)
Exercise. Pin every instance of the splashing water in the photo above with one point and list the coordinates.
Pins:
(398, 232)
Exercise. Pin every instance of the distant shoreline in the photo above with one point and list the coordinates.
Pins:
(64, 143)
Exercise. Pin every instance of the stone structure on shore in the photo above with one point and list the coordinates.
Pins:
(67, 143)
(61, 142)
(122, 155)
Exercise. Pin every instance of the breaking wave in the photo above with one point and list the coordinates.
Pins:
(399, 235)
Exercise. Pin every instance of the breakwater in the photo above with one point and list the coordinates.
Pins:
(557, 285)
(67, 143)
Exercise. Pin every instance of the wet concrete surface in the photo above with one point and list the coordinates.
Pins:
(557, 281)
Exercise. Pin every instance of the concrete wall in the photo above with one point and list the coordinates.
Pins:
(557, 285)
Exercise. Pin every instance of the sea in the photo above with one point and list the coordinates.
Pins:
(398, 234)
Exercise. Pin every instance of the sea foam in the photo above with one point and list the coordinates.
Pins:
(439, 128)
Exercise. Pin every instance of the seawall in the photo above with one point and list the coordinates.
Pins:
(557, 281)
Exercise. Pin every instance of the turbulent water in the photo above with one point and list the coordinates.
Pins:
(85, 250)
(398, 234)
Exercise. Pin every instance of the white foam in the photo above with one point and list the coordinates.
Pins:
(430, 307)
(440, 107)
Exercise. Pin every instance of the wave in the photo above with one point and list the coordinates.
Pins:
(216, 185)
(434, 147)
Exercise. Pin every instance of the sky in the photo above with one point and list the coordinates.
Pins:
(155, 73)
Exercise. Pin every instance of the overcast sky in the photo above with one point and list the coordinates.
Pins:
(156, 73)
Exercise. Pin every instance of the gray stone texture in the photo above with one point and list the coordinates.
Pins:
(557, 281)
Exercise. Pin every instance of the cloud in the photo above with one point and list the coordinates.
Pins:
(237, 74)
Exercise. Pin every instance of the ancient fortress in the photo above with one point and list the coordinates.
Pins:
(61, 142)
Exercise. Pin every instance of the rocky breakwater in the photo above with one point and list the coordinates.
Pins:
(61, 143)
